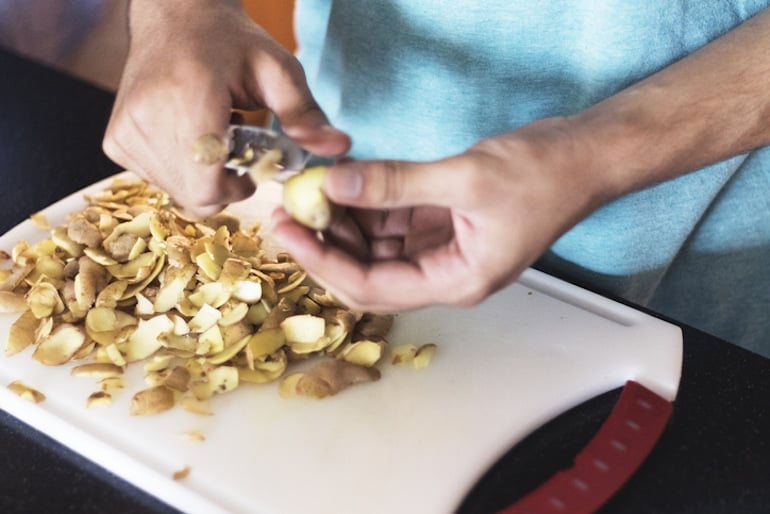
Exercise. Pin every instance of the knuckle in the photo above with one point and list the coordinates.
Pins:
(110, 147)
(386, 186)
(285, 64)
(281, 66)
(283, 86)
(137, 114)
(115, 141)
(291, 65)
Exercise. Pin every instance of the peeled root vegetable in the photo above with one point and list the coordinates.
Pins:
(305, 201)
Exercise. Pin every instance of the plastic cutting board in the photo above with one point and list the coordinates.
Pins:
(416, 441)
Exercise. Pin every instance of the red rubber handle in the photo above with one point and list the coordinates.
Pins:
(607, 462)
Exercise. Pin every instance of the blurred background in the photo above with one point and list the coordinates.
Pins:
(89, 38)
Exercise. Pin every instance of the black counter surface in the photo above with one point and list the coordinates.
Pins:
(714, 456)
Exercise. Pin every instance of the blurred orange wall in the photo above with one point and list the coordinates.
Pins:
(275, 16)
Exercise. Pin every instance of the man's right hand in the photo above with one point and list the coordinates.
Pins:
(190, 63)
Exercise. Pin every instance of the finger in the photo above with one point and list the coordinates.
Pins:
(383, 285)
(395, 184)
(376, 223)
(281, 86)
(432, 228)
(167, 158)
(310, 252)
(116, 152)
(208, 184)
(387, 249)
(346, 234)
(227, 188)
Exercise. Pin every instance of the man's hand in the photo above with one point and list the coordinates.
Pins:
(451, 231)
(190, 63)
(456, 230)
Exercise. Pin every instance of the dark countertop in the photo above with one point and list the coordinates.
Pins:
(714, 456)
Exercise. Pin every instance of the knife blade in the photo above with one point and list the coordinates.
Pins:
(264, 153)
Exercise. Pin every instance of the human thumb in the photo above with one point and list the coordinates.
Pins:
(390, 184)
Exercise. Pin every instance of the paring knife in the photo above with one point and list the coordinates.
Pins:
(251, 144)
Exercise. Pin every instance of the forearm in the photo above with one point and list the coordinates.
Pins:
(707, 107)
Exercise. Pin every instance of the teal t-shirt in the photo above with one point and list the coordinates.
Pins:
(425, 80)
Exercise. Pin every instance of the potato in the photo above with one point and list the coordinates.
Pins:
(305, 201)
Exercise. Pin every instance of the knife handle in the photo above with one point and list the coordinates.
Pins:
(623, 442)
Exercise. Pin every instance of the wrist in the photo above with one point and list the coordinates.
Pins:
(620, 148)
(578, 161)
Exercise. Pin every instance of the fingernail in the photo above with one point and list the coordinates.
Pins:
(344, 183)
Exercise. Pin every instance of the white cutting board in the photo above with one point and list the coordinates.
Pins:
(414, 442)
